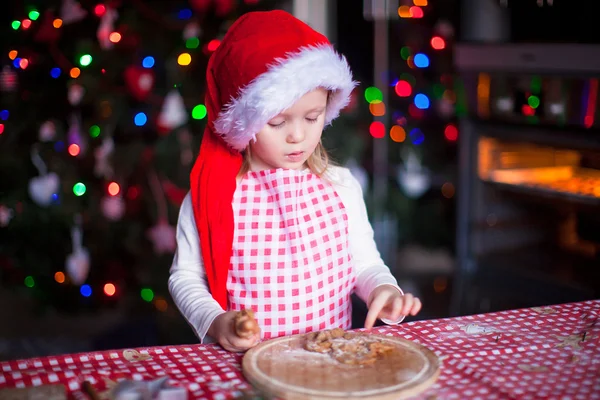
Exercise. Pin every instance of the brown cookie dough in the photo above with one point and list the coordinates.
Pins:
(245, 325)
(346, 347)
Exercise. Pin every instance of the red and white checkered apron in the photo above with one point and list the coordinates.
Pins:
(290, 263)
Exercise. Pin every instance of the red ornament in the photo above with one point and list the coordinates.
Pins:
(139, 81)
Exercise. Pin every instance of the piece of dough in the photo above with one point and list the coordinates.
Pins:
(245, 325)
(347, 347)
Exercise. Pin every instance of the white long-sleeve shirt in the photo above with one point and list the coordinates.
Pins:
(188, 285)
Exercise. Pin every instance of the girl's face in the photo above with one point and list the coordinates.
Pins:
(288, 139)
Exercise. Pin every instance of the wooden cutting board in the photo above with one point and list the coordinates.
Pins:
(282, 368)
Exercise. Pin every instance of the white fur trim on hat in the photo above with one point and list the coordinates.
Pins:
(284, 83)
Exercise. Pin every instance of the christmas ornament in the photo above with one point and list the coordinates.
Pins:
(106, 27)
(75, 94)
(113, 207)
(47, 33)
(102, 153)
(162, 235)
(8, 79)
(413, 178)
(6, 214)
(78, 262)
(43, 187)
(173, 113)
(47, 131)
(192, 30)
(359, 173)
(139, 81)
(72, 12)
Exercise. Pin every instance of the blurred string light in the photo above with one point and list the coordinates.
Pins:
(79, 189)
(377, 129)
(114, 188)
(85, 60)
(403, 89)
(114, 37)
(185, 13)
(4, 114)
(74, 149)
(416, 136)
(110, 289)
(213, 45)
(184, 59)
(55, 72)
(99, 10)
(373, 95)
(421, 60)
(451, 132)
(140, 119)
(397, 134)
(410, 12)
(192, 43)
(74, 72)
(147, 294)
(438, 43)
(59, 277)
(13, 54)
(421, 101)
(94, 131)
(85, 290)
(148, 62)
(29, 281)
(57, 23)
(34, 15)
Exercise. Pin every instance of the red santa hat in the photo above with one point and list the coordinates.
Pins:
(265, 63)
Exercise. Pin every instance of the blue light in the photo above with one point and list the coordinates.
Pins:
(416, 136)
(59, 146)
(140, 119)
(421, 60)
(16, 62)
(55, 72)
(86, 290)
(185, 13)
(422, 101)
(55, 197)
(148, 62)
(4, 115)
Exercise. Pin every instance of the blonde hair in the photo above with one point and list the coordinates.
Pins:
(317, 162)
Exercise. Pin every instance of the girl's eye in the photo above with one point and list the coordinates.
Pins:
(276, 125)
(312, 120)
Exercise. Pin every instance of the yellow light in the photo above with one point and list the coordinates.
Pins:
(420, 3)
(57, 23)
(12, 54)
(75, 72)
(184, 59)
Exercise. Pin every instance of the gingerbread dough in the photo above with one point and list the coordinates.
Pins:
(245, 325)
(346, 347)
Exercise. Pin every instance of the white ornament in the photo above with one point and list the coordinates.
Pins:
(75, 94)
(6, 214)
(191, 30)
(43, 187)
(71, 11)
(414, 179)
(113, 207)
(102, 168)
(78, 262)
(47, 131)
(359, 173)
(163, 238)
(106, 27)
(173, 113)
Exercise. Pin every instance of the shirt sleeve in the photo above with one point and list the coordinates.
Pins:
(371, 271)
(187, 280)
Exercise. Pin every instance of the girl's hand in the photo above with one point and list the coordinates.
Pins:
(387, 302)
(223, 330)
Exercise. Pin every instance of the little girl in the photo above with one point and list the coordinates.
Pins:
(268, 224)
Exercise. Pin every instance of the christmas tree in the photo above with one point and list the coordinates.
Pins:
(101, 118)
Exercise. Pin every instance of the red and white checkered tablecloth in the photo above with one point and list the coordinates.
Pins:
(548, 352)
